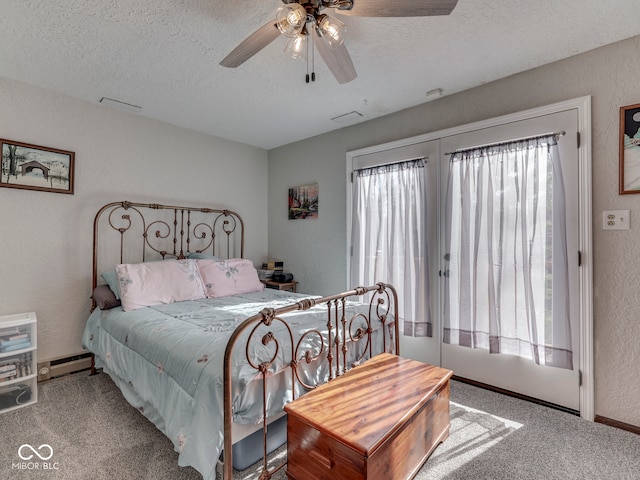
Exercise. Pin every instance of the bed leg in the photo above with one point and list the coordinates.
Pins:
(93, 365)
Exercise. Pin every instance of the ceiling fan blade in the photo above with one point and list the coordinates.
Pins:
(400, 8)
(338, 60)
(251, 45)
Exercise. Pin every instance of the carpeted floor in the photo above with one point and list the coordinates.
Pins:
(96, 435)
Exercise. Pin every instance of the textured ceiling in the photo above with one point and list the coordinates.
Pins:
(164, 56)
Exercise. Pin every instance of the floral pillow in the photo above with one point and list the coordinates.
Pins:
(155, 283)
(229, 277)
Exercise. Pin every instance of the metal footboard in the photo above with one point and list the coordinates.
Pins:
(343, 331)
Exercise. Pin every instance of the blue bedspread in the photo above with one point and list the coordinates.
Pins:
(168, 362)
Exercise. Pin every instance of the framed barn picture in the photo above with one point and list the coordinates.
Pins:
(33, 167)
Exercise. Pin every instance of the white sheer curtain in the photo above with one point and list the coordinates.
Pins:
(506, 283)
(388, 237)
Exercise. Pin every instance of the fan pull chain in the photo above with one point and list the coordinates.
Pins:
(307, 56)
(313, 59)
(313, 63)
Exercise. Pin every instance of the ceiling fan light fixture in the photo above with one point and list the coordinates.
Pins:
(290, 19)
(297, 17)
(344, 4)
(332, 30)
(296, 47)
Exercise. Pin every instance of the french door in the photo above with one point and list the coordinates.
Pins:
(570, 388)
(423, 348)
(559, 386)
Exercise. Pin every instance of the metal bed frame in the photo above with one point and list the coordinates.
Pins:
(144, 232)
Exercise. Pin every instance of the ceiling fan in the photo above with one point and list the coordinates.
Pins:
(304, 22)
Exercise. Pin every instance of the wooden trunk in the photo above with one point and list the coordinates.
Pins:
(379, 421)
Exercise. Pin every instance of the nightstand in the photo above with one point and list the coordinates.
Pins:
(288, 286)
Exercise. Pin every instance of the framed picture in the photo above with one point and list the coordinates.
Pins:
(33, 167)
(630, 149)
(303, 202)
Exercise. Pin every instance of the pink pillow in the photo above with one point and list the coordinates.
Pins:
(155, 283)
(229, 277)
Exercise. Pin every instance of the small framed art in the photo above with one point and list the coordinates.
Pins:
(629, 149)
(33, 167)
(303, 202)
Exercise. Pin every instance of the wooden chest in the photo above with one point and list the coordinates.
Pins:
(379, 421)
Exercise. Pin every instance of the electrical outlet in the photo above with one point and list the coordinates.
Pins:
(615, 220)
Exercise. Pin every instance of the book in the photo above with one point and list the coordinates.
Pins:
(10, 373)
(19, 336)
(7, 367)
(7, 343)
(273, 265)
(5, 334)
(17, 346)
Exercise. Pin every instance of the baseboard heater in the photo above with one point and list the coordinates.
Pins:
(60, 366)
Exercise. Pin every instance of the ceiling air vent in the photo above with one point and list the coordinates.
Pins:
(127, 107)
(351, 117)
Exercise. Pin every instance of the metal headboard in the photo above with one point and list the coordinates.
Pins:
(129, 232)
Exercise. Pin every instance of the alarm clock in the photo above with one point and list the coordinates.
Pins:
(282, 277)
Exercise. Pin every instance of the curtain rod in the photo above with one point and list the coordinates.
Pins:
(424, 159)
(497, 144)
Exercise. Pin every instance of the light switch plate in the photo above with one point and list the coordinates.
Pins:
(616, 220)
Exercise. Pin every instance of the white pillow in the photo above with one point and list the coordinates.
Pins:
(155, 283)
(229, 277)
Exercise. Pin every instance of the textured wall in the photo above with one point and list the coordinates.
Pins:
(315, 250)
(46, 238)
